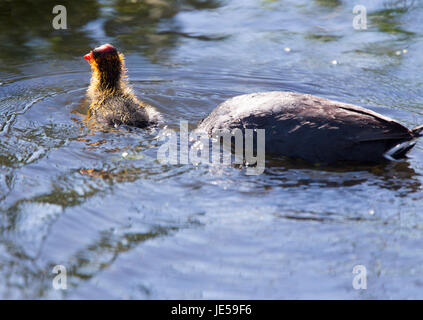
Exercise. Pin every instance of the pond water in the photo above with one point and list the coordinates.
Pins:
(130, 227)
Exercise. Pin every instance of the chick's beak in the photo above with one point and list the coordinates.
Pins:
(88, 56)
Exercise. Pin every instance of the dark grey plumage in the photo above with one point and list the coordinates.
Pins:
(313, 128)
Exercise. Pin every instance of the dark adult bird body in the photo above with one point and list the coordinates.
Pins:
(313, 128)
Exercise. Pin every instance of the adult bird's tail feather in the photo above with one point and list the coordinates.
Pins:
(418, 131)
(400, 150)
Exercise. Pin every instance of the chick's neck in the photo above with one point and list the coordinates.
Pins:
(107, 76)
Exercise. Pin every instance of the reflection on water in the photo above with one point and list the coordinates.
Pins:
(133, 25)
(126, 226)
(28, 33)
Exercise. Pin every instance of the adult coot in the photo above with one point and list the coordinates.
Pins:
(314, 129)
(112, 100)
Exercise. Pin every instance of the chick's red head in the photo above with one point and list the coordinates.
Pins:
(104, 50)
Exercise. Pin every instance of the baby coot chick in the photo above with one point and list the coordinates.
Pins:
(112, 101)
(314, 129)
